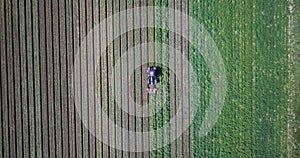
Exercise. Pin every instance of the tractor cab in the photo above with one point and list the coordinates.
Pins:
(152, 79)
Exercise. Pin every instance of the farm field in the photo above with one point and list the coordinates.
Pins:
(42, 112)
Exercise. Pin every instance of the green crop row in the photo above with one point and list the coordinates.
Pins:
(162, 98)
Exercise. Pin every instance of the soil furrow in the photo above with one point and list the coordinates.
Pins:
(56, 80)
(30, 77)
(63, 79)
(3, 80)
(130, 44)
(172, 79)
(144, 95)
(43, 64)
(185, 77)
(90, 62)
(104, 71)
(50, 78)
(71, 52)
(97, 145)
(21, 93)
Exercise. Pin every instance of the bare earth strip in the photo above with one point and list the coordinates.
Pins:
(36, 124)
(36, 79)
(3, 101)
(91, 81)
(179, 85)
(43, 54)
(185, 71)
(84, 74)
(131, 119)
(124, 83)
(4, 81)
(110, 53)
(90, 150)
(144, 95)
(111, 80)
(117, 72)
(63, 79)
(30, 73)
(13, 49)
(24, 36)
(39, 31)
(104, 70)
(14, 92)
(137, 76)
(97, 85)
(50, 78)
(20, 75)
(72, 14)
(77, 35)
(56, 80)
(172, 79)
(30, 76)
(179, 70)
(68, 121)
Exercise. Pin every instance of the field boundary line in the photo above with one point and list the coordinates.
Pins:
(294, 78)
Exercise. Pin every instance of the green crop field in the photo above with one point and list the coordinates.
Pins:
(253, 38)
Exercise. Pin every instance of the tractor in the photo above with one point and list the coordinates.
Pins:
(152, 79)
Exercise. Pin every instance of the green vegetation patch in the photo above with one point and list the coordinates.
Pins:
(252, 38)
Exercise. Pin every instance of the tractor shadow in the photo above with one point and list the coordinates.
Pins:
(159, 74)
